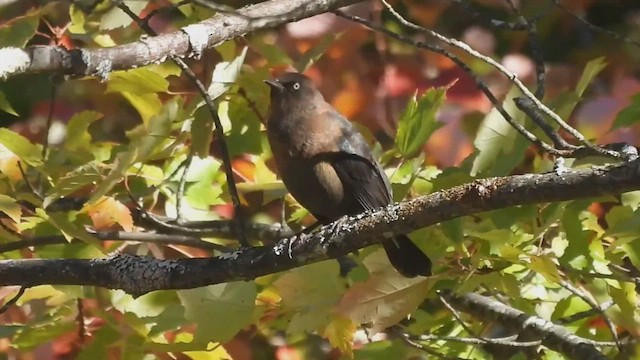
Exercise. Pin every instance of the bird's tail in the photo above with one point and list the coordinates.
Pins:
(406, 257)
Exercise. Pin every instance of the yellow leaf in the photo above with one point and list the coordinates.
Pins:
(340, 332)
(107, 212)
(545, 267)
(10, 207)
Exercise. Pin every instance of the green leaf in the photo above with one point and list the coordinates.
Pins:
(544, 266)
(381, 350)
(310, 292)
(241, 126)
(569, 306)
(5, 105)
(78, 20)
(220, 311)
(10, 207)
(115, 18)
(418, 121)
(21, 147)
(577, 253)
(201, 132)
(145, 141)
(629, 115)
(500, 147)
(137, 81)
(272, 53)
(591, 70)
(225, 74)
(203, 194)
(147, 105)
(148, 305)
(78, 138)
(66, 222)
(88, 174)
(402, 178)
(17, 32)
(31, 336)
(312, 55)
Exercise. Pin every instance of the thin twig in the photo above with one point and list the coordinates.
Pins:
(164, 239)
(252, 105)
(13, 300)
(526, 106)
(26, 181)
(181, 186)
(226, 158)
(512, 77)
(595, 306)
(595, 28)
(456, 315)
(45, 140)
(481, 85)
(497, 24)
(508, 341)
(534, 47)
(585, 314)
(407, 339)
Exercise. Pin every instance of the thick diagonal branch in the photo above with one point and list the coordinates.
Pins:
(189, 41)
(140, 275)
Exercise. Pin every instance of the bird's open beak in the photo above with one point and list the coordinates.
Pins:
(274, 85)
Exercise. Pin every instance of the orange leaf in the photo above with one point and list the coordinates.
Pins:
(108, 212)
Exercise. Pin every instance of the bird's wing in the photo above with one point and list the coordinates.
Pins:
(360, 173)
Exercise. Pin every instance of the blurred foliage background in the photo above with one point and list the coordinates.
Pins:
(312, 312)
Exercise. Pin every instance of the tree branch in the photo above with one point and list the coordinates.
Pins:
(188, 41)
(553, 336)
(140, 275)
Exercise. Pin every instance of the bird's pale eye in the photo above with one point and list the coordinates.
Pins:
(296, 86)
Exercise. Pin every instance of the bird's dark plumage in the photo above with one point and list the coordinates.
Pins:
(327, 165)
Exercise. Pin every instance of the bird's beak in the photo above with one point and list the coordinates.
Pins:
(274, 85)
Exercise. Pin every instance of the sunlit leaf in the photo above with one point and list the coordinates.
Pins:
(310, 292)
(144, 142)
(385, 298)
(545, 267)
(225, 75)
(340, 334)
(107, 211)
(147, 105)
(78, 137)
(148, 305)
(115, 18)
(418, 121)
(500, 146)
(10, 207)
(137, 81)
(231, 304)
(591, 70)
(66, 222)
(21, 147)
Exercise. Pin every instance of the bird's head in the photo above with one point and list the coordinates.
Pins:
(292, 90)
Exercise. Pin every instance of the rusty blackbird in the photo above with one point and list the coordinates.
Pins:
(327, 166)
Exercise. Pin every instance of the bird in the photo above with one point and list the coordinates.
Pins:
(327, 165)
